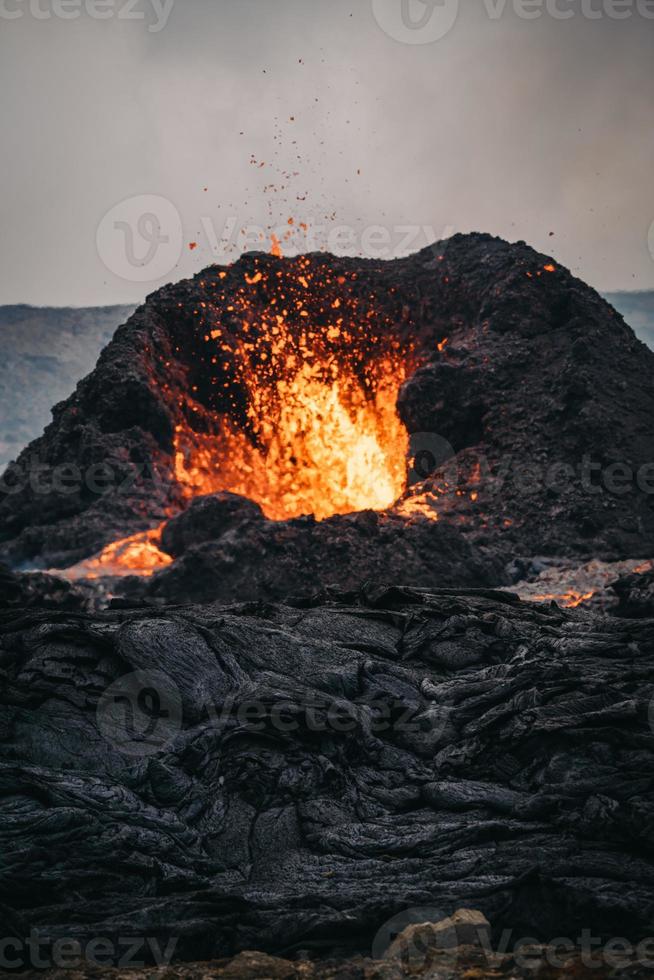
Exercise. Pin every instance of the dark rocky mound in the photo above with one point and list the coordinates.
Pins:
(227, 550)
(289, 778)
(542, 390)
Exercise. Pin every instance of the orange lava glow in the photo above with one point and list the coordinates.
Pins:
(276, 248)
(569, 600)
(317, 381)
(286, 395)
(423, 505)
(138, 554)
(322, 447)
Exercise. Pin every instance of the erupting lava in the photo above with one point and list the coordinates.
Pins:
(320, 447)
(284, 386)
(300, 411)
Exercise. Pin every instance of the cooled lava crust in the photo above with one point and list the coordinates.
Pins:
(310, 773)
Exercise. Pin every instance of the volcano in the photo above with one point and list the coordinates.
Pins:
(444, 414)
(307, 709)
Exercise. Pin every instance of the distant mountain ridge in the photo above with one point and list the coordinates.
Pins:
(638, 310)
(44, 352)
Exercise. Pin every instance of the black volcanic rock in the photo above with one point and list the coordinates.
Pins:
(227, 550)
(635, 594)
(37, 590)
(289, 778)
(207, 519)
(544, 393)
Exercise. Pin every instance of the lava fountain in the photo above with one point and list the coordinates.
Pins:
(303, 395)
(287, 396)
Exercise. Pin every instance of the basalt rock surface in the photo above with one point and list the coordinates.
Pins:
(289, 778)
(543, 392)
(37, 590)
(226, 550)
(635, 594)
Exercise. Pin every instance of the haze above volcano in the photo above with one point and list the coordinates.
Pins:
(311, 111)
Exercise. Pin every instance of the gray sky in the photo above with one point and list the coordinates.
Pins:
(519, 127)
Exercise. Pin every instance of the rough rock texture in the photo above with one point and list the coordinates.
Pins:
(538, 371)
(207, 519)
(588, 586)
(533, 962)
(466, 927)
(635, 594)
(228, 550)
(537, 963)
(37, 590)
(289, 778)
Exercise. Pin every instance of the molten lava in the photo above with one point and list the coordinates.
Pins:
(569, 600)
(321, 447)
(287, 395)
(302, 398)
(139, 554)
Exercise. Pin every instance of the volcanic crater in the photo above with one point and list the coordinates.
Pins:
(443, 415)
